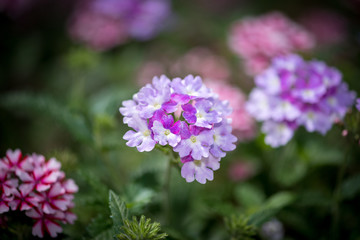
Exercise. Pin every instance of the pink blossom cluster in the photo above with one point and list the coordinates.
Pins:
(258, 40)
(104, 24)
(37, 187)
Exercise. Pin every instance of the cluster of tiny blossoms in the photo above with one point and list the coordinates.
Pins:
(39, 188)
(185, 115)
(293, 93)
(103, 24)
(257, 40)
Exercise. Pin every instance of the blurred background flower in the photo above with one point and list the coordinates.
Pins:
(104, 24)
(258, 39)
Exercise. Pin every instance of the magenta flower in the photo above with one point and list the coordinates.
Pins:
(183, 114)
(38, 187)
(293, 93)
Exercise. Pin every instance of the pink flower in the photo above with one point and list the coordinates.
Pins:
(14, 161)
(24, 199)
(241, 170)
(54, 199)
(41, 178)
(38, 187)
(258, 40)
(7, 185)
(4, 202)
(242, 123)
(201, 61)
(45, 222)
(96, 30)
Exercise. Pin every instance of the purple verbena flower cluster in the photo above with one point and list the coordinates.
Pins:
(185, 115)
(39, 188)
(293, 93)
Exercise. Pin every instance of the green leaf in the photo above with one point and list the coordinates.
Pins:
(271, 207)
(320, 155)
(260, 217)
(248, 195)
(137, 197)
(118, 210)
(43, 105)
(350, 187)
(289, 168)
(280, 200)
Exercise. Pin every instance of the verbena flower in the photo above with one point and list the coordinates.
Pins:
(39, 188)
(257, 40)
(186, 116)
(293, 93)
(103, 24)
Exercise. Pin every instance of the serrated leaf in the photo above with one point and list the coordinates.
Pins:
(350, 187)
(118, 210)
(249, 195)
(43, 105)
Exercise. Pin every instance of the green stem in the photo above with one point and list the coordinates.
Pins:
(337, 198)
(166, 190)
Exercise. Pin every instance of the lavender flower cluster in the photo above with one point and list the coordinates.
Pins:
(293, 93)
(39, 188)
(185, 115)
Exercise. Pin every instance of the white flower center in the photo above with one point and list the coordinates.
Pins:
(331, 101)
(157, 105)
(146, 133)
(197, 163)
(167, 132)
(193, 139)
(311, 115)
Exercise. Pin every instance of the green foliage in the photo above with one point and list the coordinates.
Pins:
(118, 210)
(43, 105)
(288, 168)
(350, 187)
(239, 228)
(143, 229)
(100, 225)
(249, 195)
(137, 197)
(271, 207)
